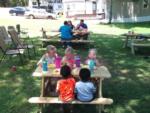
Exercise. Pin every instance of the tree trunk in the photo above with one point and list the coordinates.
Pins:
(38, 1)
(110, 12)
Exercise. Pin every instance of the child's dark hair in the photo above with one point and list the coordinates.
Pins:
(65, 23)
(65, 71)
(85, 74)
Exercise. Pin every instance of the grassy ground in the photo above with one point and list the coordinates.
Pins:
(129, 86)
(34, 26)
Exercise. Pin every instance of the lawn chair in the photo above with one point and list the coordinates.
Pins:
(4, 35)
(11, 52)
(18, 43)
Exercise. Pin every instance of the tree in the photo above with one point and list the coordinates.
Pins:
(4, 3)
(110, 12)
(38, 1)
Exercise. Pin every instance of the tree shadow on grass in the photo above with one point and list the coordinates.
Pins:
(130, 82)
(17, 87)
(128, 87)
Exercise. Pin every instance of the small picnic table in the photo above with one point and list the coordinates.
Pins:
(101, 72)
(133, 36)
(99, 75)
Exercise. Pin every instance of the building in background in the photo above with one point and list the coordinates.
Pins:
(128, 10)
(83, 8)
(114, 10)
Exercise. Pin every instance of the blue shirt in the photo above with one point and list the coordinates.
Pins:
(83, 25)
(85, 91)
(66, 32)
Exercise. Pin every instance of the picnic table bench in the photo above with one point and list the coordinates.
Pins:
(139, 43)
(55, 37)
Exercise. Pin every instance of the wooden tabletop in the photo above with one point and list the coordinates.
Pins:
(101, 72)
(130, 34)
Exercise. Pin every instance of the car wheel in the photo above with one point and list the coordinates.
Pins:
(31, 16)
(14, 14)
(50, 17)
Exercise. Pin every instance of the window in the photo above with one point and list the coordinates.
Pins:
(34, 3)
(59, 6)
(145, 3)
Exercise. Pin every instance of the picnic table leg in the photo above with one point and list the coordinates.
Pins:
(126, 42)
(100, 95)
(42, 86)
(132, 49)
(41, 108)
(42, 93)
(100, 88)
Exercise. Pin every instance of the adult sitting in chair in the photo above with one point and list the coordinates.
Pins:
(82, 30)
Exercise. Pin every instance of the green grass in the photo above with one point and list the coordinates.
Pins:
(129, 86)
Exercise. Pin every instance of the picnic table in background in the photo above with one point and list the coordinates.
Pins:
(129, 36)
(49, 34)
(54, 36)
(132, 36)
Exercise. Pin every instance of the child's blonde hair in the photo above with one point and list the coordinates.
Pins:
(93, 50)
(51, 48)
(68, 49)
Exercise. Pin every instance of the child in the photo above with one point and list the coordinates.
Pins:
(68, 59)
(71, 25)
(92, 56)
(65, 87)
(50, 55)
(85, 89)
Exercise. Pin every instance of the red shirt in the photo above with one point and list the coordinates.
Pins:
(66, 89)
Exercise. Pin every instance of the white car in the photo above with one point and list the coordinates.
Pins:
(39, 13)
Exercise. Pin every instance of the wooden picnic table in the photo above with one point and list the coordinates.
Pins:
(101, 72)
(129, 36)
(132, 36)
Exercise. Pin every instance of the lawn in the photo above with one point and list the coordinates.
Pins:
(129, 86)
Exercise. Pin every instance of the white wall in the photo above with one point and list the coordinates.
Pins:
(133, 19)
(74, 8)
(89, 8)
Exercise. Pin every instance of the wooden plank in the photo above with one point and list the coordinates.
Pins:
(73, 41)
(100, 72)
(55, 100)
(141, 45)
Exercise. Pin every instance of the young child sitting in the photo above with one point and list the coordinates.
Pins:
(50, 55)
(92, 56)
(85, 89)
(65, 86)
(68, 59)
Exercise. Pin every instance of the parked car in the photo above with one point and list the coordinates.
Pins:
(39, 13)
(17, 11)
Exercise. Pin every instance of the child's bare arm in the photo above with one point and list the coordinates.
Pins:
(97, 63)
(57, 87)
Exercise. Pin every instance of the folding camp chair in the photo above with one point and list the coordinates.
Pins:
(4, 35)
(18, 43)
(11, 52)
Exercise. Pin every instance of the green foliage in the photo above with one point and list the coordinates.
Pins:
(6, 3)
